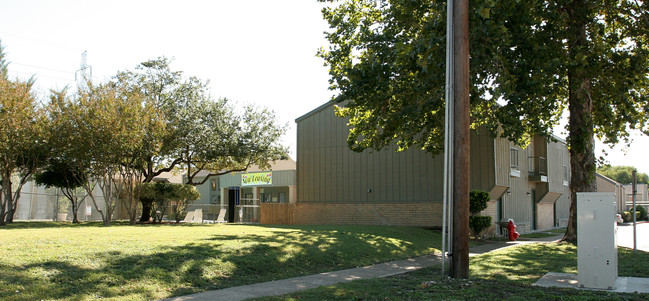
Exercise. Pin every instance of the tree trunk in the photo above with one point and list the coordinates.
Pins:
(6, 195)
(5, 206)
(9, 217)
(460, 252)
(75, 211)
(580, 104)
(147, 206)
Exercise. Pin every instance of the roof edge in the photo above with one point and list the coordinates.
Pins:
(314, 111)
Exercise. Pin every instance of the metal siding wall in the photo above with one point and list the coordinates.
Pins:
(502, 167)
(555, 166)
(482, 162)
(563, 203)
(417, 180)
(299, 158)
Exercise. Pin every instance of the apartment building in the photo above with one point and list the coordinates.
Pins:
(338, 186)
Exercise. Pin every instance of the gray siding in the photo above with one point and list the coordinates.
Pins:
(328, 172)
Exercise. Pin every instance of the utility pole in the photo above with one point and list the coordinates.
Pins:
(461, 151)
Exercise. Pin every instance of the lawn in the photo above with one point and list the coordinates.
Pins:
(46, 261)
(501, 275)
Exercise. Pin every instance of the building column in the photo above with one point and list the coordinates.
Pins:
(292, 194)
(224, 196)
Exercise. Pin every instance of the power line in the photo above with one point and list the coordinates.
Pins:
(38, 75)
(40, 67)
(40, 41)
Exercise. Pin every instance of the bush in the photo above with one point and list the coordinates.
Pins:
(479, 223)
(478, 201)
(643, 212)
(627, 217)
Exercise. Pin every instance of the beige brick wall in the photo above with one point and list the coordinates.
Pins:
(545, 217)
(492, 210)
(401, 214)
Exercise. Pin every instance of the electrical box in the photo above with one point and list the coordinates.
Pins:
(596, 240)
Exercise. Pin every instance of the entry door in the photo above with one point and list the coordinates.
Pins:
(533, 199)
(233, 195)
(499, 209)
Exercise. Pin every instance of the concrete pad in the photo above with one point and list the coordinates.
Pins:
(622, 284)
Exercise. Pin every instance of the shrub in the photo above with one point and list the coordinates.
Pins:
(627, 217)
(479, 223)
(477, 202)
(643, 212)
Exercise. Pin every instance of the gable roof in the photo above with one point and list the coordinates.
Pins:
(605, 178)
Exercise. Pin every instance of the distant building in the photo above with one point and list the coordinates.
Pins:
(606, 184)
(243, 194)
(641, 197)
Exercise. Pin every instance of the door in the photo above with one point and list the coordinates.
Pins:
(533, 199)
(233, 197)
(500, 216)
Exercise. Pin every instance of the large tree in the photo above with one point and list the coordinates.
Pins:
(66, 177)
(102, 131)
(529, 61)
(23, 133)
(199, 133)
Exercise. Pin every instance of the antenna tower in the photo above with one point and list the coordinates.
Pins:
(84, 74)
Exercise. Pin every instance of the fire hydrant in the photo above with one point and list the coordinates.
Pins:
(511, 229)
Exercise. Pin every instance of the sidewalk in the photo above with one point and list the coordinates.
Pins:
(286, 286)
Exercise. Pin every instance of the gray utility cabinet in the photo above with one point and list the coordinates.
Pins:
(596, 240)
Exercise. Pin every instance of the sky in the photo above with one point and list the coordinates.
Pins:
(255, 51)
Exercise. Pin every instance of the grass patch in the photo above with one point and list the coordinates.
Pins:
(88, 261)
(558, 231)
(537, 235)
(505, 274)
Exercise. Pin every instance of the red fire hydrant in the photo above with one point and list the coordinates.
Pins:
(511, 229)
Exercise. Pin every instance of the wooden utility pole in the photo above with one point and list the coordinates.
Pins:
(460, 246)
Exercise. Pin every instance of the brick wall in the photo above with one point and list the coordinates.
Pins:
(492, 210)
(545, 218)
(402, 214)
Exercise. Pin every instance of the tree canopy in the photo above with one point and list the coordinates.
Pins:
(529, 61)
(23, 136)
(623, 174)
(201, 133)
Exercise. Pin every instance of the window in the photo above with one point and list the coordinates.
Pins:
(513, 158)
(565, 175)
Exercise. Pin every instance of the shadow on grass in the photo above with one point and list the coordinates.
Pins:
(217, 262)
(526, 263)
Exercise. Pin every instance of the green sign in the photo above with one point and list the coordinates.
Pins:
(257, 178)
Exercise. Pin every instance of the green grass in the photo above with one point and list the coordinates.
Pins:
(505, 274)
(537, 235)
(558, 231)
(46, 261)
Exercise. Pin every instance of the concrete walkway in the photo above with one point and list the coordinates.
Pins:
(286, 286)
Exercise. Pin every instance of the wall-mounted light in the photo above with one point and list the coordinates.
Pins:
(369, 190)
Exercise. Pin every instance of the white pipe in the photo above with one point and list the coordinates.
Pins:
(448, 139)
